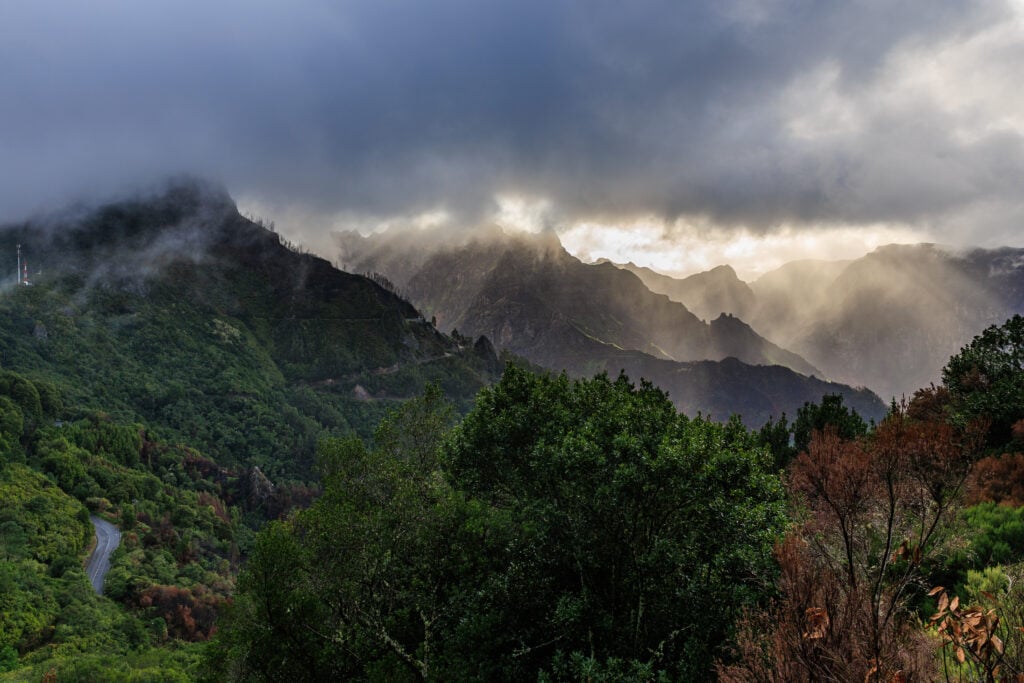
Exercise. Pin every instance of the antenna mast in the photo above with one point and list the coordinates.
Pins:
(19, 265)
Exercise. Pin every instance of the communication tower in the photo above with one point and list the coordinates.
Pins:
(22, 272)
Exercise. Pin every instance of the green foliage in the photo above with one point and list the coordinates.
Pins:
(573, 528)
(831, 411)
(644, 519)
(986, 379)
(102, 436)
(777, 437)
(12, 425)
(207, 357)
(995, 536)
(174, 569)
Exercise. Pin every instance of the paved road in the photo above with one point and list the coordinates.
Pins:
(108, 537)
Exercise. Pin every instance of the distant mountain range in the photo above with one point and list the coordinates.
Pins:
(708, 294)
(529, 296)
(889, 320)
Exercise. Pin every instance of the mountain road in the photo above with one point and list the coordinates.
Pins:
(108, 537)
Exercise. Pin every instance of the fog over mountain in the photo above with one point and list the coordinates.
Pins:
(511, 339)
(680, 136)
(675, 137)
(529, 296)
(888, 320)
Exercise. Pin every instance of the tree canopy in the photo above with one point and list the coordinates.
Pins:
(986, 379)
(563, 529)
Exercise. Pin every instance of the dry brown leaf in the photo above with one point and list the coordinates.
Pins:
(936, 590)
(817, 619)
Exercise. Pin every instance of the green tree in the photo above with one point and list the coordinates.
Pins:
(812, 417)
(777, 437)
(12, 424)
(565, 529)
(986, 379)
(642, 521)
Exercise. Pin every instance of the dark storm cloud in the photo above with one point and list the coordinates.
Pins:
(604, 108)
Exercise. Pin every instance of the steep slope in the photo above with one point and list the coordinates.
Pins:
(708, 294)
(717, 389)
(526, 292)
(177, 311)
(789, 297)
(531, 297)
(888, 320)
(893, 318)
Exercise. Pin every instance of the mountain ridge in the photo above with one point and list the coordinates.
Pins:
(547, 306)
(176, 311)
(890, 319)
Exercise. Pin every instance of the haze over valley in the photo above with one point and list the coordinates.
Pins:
(456, 340)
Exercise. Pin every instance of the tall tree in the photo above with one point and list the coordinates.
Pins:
(831, 411)
(563, 529)
(986, 379)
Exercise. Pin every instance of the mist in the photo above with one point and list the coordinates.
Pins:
(754, 124)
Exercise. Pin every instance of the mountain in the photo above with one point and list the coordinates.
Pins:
(708, 294)
(789, 297)
(176, 311)
(889, 320)
(529, 296)
(893, 318)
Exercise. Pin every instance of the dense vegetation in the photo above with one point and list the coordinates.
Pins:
(563, 529)
(176, 367)
(243, 413)
(568, 530)
(174, 569)
(179, 313)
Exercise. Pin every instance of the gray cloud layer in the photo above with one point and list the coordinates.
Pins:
(745, 112)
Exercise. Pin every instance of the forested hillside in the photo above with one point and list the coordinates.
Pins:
(171, 366)
(584, 530)
(313, 483)
(176, 311)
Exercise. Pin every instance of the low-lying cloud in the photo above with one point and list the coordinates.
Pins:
(751, 117)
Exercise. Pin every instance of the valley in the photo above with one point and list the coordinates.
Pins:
(230, 410)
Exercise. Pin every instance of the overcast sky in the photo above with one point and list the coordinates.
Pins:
(680, 134)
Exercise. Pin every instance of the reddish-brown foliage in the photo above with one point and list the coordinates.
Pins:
(997, 479)
(930, 405)
(219, 509)
(875, 508)
(1018, 431)
(190, 613)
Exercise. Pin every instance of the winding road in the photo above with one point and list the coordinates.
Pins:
(108, 537)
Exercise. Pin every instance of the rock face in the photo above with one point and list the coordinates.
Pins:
(484, 350)
(258, 488)
(530, 296)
